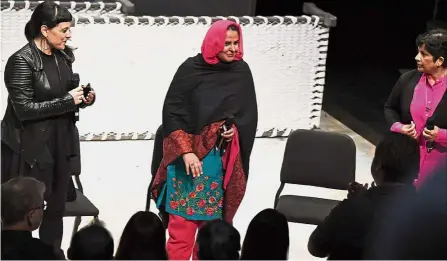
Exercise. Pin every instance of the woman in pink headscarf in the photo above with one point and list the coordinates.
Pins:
(209, 125)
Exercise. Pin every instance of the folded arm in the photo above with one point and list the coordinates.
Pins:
(323, 240)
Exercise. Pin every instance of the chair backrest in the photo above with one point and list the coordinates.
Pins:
(157, 154)
(318, 158)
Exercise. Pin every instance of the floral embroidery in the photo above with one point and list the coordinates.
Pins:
(190, 211)
(179, 142)
(214, 185)
(200, 188)
(206, 199)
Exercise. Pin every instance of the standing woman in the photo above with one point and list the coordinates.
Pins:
(420, 95)
(204, 169)
(39, 135)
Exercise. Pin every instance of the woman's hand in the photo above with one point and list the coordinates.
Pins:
(78, 95)
(409, 130)
(228, 134)
(90, 97)
(192, 164)
(431, 135)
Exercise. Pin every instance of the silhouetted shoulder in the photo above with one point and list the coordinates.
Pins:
(33, 249)
(46, 251)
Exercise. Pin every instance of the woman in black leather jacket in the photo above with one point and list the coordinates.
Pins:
(39, 135)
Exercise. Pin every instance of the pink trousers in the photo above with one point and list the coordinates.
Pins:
(182, 238)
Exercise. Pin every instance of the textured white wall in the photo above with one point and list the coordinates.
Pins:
(131, 66)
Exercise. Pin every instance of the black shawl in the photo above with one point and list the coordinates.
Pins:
(201, 94)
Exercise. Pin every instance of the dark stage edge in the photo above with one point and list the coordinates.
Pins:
(356, 98)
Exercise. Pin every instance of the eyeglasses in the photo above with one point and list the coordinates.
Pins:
(43, 207)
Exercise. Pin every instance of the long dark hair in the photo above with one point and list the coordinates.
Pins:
(267, 237)
(143, 238)
(46, 13)
(92, 242)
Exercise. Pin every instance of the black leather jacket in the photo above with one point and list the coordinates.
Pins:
(30, 108)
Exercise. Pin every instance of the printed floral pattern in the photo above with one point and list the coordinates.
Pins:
(199, 198)
(179, 142)
(204, 200)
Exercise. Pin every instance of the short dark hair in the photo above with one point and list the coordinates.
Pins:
(218, 240)
(435, 42)
(143, 238)
(92, 242)
(397, 155)
(46, 13)
(267, 237)
(19, 196)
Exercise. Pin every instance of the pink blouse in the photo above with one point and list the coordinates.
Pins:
(427, 95)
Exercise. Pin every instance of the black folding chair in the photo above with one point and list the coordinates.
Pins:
(81, 207)
(315, 158)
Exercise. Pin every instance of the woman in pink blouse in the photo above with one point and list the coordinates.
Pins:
(420, 96)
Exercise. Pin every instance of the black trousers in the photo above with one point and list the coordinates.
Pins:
(57, 179)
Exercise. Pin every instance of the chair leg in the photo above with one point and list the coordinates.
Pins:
(164, 216)
(278, 193)
(77, 223)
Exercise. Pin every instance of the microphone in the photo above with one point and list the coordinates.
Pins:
(225, 127)
(229, 122)
(430, 125)
(75, 80)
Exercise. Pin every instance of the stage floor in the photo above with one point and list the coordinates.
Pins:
(116, 176)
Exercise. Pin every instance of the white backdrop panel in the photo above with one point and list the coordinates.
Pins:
(131, 61)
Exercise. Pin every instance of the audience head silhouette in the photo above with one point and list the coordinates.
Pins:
(143, 238)
(92, 242)
(22, 203)
(267, 237)
(218, 240)
(396, 159)
(414, 229)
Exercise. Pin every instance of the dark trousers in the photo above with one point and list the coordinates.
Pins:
(56, 179)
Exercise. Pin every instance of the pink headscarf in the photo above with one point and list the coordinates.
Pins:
(214, 41)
